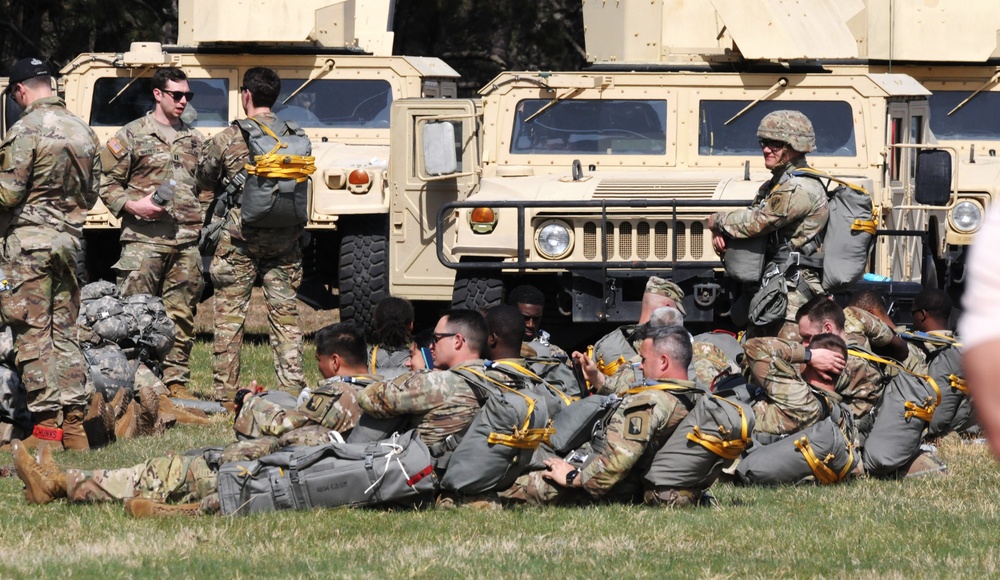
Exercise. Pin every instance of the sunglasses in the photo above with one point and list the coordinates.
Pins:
(438, 337)
(178, 95)
(771, 144)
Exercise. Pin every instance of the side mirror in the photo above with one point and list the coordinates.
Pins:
(933, 179)
(437, 142)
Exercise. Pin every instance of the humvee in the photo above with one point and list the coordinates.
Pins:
(585, 183)
(339, 79)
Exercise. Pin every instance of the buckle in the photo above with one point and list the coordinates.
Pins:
(794, 258)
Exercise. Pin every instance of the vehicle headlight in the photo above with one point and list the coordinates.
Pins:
(554, 240)
(967, 216)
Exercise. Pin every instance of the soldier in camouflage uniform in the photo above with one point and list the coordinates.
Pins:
(246, 253)
(791, 210)
(544, 358)
(642, 423)
(159, 153)
(48, 169)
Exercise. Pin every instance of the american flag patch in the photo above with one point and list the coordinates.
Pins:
(115, 147)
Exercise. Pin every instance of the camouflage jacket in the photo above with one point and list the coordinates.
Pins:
(866, 330)
(787, 208)
(436, 403)
(790, 404)
(48, 171)
(135, 162)
(225, 155)
(643, 422)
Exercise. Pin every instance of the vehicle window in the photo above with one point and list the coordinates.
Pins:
(833, 122)
(611, 127)
(336, 103)
(209, 107)
(975, 120)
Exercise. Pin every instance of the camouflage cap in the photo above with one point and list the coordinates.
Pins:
(664, 287)
(790, 127)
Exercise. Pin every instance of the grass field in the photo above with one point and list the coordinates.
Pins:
(932, 527)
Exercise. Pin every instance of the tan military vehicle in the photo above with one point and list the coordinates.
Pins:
(585, 183)
(338, 82)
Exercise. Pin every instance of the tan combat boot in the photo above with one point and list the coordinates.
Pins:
(39, 488)
(49, 466)
(179, 391)
(74, 435)
(125, 425)
(147, 411)
(184, 415)
(99, 422)
(46, 430)
(139, 507)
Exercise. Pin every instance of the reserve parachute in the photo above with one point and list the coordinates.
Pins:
(276, 192)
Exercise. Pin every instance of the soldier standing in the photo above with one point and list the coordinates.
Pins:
(246, 252)
(149, 181)
(48, 168)
(791, 210)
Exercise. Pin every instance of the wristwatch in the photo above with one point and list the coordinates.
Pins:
(809, 355)
(571, 477)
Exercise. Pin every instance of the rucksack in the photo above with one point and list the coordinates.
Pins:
(276, 192)
(849, 234)
(944, 364)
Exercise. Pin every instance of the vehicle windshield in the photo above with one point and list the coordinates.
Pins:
(208, 108)
(336, 103)
(976, 120)
(602, 127)
(833, 122)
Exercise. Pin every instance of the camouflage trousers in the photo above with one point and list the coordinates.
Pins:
(174, 479)
(41, 308)
(174, 274)
(235, 268)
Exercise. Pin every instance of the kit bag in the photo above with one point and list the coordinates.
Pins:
(276, 192)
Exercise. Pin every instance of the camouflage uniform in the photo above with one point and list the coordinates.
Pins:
(159, 257)
(787, 209)
(862, 382)
(789, 404)
(174, 479)
(643, 422)
(436, 403)
(48, 172)
(262, 417)
(243, 255)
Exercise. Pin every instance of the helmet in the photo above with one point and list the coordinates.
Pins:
(791, 127)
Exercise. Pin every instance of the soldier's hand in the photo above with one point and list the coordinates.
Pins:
(557, 470)
(594, 377)
(145, 209)
(718, 243)
(827, 362)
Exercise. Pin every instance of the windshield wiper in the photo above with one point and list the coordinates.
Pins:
(327, 67)
(992, 80)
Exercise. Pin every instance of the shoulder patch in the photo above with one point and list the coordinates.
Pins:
(116, 148)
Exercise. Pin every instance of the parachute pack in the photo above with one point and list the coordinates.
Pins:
(276, 191)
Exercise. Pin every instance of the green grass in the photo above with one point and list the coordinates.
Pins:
(930, 527)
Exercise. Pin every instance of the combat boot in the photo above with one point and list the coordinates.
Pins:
(46, 430)
(147, 411)
(184, 415)
(925, 463)
(179, 391)
(673, 497)
(74, 435)
(49, 466)
(39, 488)
(99, 423)
(125, 426)
(139, 507)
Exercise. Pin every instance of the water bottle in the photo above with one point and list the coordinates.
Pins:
(165, 193)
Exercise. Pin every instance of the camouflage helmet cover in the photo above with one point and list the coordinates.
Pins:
(790, 127)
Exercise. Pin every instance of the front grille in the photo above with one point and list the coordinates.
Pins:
(644, 240)
(656, 189)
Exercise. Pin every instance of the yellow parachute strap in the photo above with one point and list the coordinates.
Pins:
(609, 369)
(271, 164)
(820, 469)
(371, 364)
(523, 437)
(724, 448)
(658, 387)
(923, 411)
(958, 383)
(529, 373)
(949, 339)
(867, 226)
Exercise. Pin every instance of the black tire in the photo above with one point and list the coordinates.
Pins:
(364, 275)
(475, 291)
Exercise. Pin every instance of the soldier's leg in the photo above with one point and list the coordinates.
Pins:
(282, 277)
(182, 285)
(233, 274)
(176, 478)
(70, 365)
(532, 489)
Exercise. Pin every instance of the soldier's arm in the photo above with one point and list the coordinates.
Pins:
(16, 155)
(786, 204)
(773, 365)
(212, 167)
(410, 393)
(629, 433)
(92, 190)
(879, 334)
(116, 166)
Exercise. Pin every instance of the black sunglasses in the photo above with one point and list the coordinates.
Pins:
(176, 95)
(438, 337)
(771, 144)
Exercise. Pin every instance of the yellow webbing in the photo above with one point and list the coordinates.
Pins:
(525, 437)
(530, 374)
(958, 383)
(371, 365)
(820, 469)
(924, 411)
(271, 164)
(867, 226)
(609, 369)
(944, 337)
(658, 387)
(724, 448)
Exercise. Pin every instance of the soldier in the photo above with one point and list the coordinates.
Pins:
(48, 172)
(392, 337)
(149, 182)
(544, 358)
(791, 211)
(642, 423)
(246, 253)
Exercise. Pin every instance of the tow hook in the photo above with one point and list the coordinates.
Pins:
(705, 295)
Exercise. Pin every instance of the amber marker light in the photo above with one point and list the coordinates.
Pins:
(482, 220)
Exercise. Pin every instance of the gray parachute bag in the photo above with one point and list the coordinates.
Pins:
(945, 366)
(713, 434)
(576, 424)
(398, 470)
(821, 450)
(498, 444)
(388, 363)
(906, 407)
(13, 399)
(849, 234)
(110, 370)
(370, 429)
(274, 202)
(745, 258)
